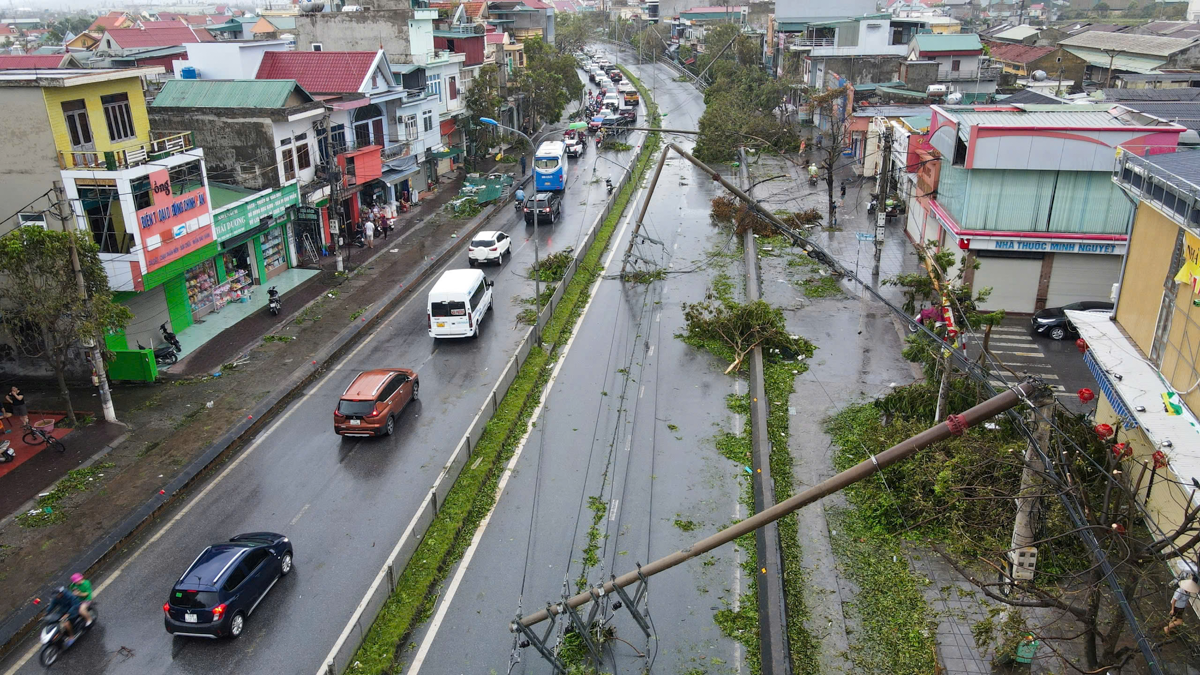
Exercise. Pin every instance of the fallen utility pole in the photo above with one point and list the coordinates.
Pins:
(953, 426)
(814, 251)
(885, 189)
(775, 655)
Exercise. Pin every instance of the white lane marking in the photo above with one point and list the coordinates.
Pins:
(1037, 355)
(657, 317)
(642, 392)
(650, 352)
(299, 514)
(612, 510)
(232, 465)
(469, 554)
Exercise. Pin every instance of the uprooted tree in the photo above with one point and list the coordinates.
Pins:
(740, 327)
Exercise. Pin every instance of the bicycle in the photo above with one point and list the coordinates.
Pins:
(35, 436)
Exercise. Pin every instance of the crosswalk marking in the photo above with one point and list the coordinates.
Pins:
(1009, 351)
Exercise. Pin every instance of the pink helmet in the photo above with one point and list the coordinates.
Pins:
(76, 578)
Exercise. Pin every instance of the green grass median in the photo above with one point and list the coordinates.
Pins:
(474, 492)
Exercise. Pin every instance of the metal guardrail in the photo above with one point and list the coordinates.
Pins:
(813, 42)
(1174, 195)
(977, 74)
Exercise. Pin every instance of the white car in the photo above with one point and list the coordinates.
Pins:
(488, 246)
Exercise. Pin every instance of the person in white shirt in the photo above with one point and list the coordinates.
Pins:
(1181, 602)
(369, 233)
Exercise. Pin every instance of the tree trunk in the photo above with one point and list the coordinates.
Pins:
(943, 387)
(58, 363)
(1090, 633)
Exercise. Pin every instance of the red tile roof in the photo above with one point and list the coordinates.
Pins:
(472, 9)
(203, 35)
(564, 6)
(495, 38)
(162, 24)
(132, 38)
(1015, 53)
(24, 61)
(109, 21)
(535, 4)
(5, 29)
(319, 72)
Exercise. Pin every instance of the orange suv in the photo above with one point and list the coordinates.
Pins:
(372, 402)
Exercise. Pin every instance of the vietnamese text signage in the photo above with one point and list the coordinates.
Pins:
(1037, 246)
(174, 225)
(235, 220)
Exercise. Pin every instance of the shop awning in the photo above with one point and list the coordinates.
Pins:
(246, 236)
(1139, 392)
(452, 152)
(397, 169)
(448, 127)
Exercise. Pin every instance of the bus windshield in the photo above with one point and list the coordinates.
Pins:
(546, 163)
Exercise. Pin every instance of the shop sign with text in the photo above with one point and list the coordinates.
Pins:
(174, 225)
(247, 215)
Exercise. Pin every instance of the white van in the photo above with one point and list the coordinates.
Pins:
(457, 304)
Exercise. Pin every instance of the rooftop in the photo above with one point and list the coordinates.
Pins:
(1150, 45)
(1017, 53)
(319, 72)
(1065, 115)
(1017, 33)
(1172, 94)
(1183, 113)
(33, 61)
(133, 38)
(717, 9)
(947, 42)
(71, 77)
(273, 94)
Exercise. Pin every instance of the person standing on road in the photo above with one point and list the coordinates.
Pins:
(523, 167)
(1181, 601)
(369, 233)
(16, 399)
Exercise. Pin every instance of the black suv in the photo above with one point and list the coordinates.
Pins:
(545, 206)
(224, 584)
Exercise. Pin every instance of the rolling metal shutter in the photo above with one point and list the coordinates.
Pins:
(1014, 282)
(1080, 276)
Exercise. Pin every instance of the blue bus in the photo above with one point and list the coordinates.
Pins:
(550, 167)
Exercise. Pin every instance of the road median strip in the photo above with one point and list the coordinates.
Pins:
(404, 592)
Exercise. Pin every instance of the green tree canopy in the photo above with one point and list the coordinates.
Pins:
(548, 83)
(42, 308)
(483, 100)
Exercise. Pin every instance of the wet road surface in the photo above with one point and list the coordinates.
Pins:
(624, 445)
(344, 503)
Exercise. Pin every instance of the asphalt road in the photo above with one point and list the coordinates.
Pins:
(629, 422)
(344, 504)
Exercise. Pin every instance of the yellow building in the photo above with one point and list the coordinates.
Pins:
(1146, 356)
(63, 119)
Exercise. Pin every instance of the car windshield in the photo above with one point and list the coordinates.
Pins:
(186, 599)
(356, 408)
(482, 243)
(448, 308)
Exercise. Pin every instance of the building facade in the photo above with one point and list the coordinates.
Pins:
(1027, 194)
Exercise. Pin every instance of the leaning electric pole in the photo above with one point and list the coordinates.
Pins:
(883, 185)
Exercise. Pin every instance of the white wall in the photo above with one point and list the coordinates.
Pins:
(420, 39)
(226, 61)
(787, 10)
(284, 130)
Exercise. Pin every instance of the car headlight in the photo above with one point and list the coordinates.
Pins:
(1045, 320)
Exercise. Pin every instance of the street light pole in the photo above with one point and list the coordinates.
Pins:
(537, 260)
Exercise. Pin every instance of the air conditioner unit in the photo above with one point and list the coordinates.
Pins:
(36, 219)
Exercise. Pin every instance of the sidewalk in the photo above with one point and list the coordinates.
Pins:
(178, 422)
(237, 339)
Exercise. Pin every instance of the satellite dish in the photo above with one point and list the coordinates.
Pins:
(954, 98)
(1039, 76)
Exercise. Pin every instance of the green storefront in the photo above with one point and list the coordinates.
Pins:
(251, 246)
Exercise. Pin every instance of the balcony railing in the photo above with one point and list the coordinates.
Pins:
(977, 74)
(814, 42)
(397, 150)
(1176, 196)
(116, 160)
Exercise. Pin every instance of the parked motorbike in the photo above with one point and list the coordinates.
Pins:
(872, 207)
(273, 302)
(164, 354)
(170, 338)
(7, 454)
(812, 179)
(55, 641)
(608, 185)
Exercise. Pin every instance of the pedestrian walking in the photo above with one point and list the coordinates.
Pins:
(16, 400)
(385, 222)
(369, 233)
(843, 189)
(522, 165)
(1181, 602)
